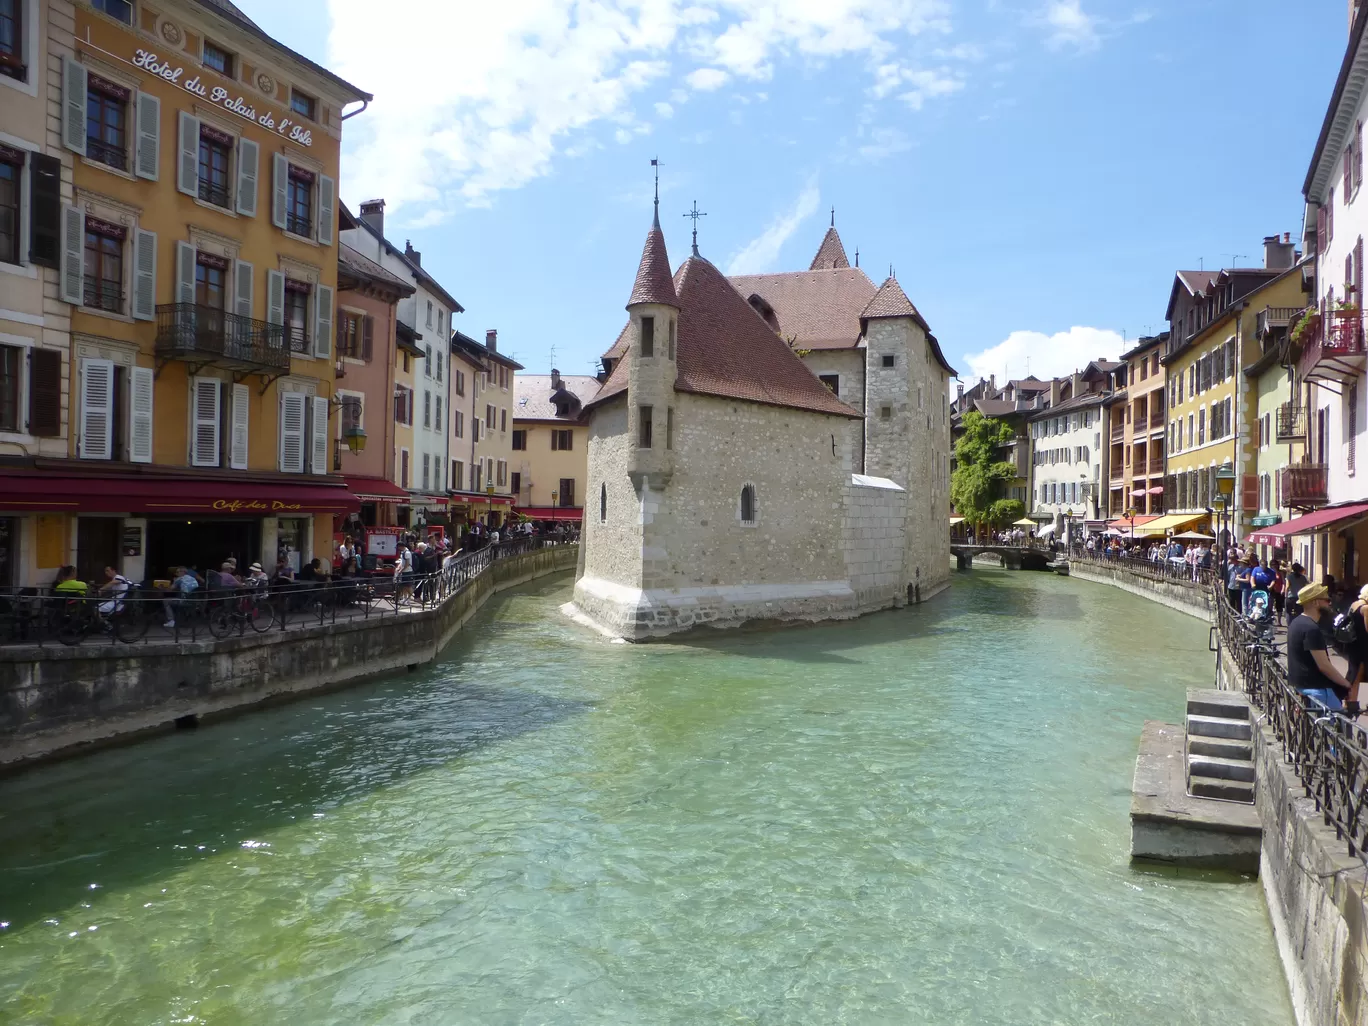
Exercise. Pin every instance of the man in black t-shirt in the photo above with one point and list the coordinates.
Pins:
(1309, 669)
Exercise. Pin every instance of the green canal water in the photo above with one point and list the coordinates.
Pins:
(918, 817)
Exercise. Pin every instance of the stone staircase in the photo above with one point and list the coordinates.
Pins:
(1220, 746)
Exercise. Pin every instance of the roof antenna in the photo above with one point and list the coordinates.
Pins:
(655, 222)
(695, 213)
(553, 355)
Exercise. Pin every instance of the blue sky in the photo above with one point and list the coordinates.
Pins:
(1034, 170)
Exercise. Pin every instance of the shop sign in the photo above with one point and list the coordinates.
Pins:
(132, 540)
(256, 506)
(220, 96)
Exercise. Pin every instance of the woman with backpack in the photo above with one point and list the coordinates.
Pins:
(1351, 637)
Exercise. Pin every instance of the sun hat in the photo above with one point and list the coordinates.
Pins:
(1363, 593)
(255, 566)
(1311, 592)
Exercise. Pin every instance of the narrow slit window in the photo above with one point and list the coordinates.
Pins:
(748, 504)
(648, 336)
(644, 418)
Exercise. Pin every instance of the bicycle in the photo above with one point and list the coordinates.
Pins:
(252, 609)
(77, 618)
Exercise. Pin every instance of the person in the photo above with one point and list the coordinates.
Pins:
(284, 572)
(1309, 669)
(1356, 651)
(226, 576)
(256, 576)
(68, 586)
(1278, 590)
(403, 573)
(345, 550)
(114, 589)
(182, 586)
(313, 572)
(1296, 581)
(1233, 585)
(1245, 578)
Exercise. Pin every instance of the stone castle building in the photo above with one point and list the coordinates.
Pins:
(764, 448)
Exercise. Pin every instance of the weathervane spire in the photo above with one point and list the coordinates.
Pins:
(655, 163)
(695, 213)
(833, 217)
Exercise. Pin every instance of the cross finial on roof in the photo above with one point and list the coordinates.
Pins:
(695, 213)
(655, 163)
(833, 217)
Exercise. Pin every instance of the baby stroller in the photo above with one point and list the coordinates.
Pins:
(1261, 615)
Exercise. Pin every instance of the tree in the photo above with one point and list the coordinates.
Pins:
(977, 483)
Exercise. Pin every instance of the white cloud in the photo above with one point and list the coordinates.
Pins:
(1045, 356)
(925, 83)
(664, 110)
(884, 142)
(1069, 25)
(488, 95)
(762, 251)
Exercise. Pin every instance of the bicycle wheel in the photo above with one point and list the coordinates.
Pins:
(72, 628)
(261, 615)
(129, 625)
(220, 622)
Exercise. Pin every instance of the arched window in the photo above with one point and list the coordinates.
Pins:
(748, 504)
(603, 503)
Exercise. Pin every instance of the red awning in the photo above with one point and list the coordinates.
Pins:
(480, 498)
(1312, 523)
(376, 489)
(1137, 521)
(150, 495)
(575, 513)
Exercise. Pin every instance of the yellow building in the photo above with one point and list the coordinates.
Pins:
(551, 445)
(485, 446)
(1212, 407)
(1279, 437)
(198, 255)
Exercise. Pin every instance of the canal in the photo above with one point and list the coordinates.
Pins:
(918, 817)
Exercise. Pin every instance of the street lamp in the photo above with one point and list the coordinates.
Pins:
(1225, 486)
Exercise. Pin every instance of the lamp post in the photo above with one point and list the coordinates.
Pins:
(1225, 486)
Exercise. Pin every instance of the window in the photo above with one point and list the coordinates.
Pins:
(355, 335)
(563, 440)
(120, 9)
(515, 484)
(427, 409)
(351, 415)
(648, 336)
(603, 503)
(103, 265)
(218, 59)
(476, 475)
(458, 423)
(489, 416)
(429, 324)
(297, 315)
(1201, 426)
(403, 468)
(211, 275)
(475, 423)
(669, 427)
(458, 381)
(885, 412)
(11, 188)
(644, 427)
(437, 414)
(427, 469)
(12, 39)
(502, 473)
(441, 360)
(299, 202)
(457, 474)
(888, 360)
(107, 122)
(832, 382)
(10, 372)
(672, 338)
(427, 352)
(303, 104)
(403, 406)
(748, 505)
(520, 440)
(214, 150)
(566, 492)
(503, 420)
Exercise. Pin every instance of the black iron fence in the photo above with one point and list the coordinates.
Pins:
(1327, 751)
(1173, 570)
(30, 616)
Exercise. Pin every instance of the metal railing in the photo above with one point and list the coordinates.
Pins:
(1304, 485)
(102, 295)
(298, 224)
(215, 193)
(1291, 422)
(109, 154)
(188, 331)
(1165, 569)
(30, 617)
(1327, 751)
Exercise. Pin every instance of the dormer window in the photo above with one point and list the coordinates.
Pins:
(648, 336)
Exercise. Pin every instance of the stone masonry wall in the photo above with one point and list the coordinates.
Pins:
(611, 548)
(849, 364)
(873, 537)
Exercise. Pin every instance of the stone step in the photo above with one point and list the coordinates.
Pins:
(1219, 787)
(1221, 747)
(1226, 769)
(1234, 707)
(1218, 726)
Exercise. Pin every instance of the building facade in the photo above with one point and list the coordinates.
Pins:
(1136, 428)
(550, 446)
(1067, 451)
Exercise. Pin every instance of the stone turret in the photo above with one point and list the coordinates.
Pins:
(654, 311)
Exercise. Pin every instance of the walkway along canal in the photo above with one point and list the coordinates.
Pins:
(918, 816)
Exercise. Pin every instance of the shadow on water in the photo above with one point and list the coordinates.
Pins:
(129, 815)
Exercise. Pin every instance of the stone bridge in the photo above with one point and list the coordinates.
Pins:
(1014, 557)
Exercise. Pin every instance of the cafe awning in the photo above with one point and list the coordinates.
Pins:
(1024, 522)
(376, 489)
(572, 513)
(1327, 519)
(160, 494)
(1160, 526)
(956, 520)
(1126, 524)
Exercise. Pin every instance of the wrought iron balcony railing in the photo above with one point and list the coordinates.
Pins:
(1304, 486)
(102, 295)
(1333, 352)
(108, 154)
(297, 225)
(1291, 422)
(215, 193)
(188, 331)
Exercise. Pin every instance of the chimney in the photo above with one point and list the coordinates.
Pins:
(992, 386)
(412, 253)
(1278, 252)
(959, 390)
(492, 340)
(555, 380)
(373, 214)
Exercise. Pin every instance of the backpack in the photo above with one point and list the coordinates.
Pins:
(1346, 627)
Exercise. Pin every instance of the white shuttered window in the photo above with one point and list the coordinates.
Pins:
(97, 409)
(293, 407)
(140, 415)
(318, 458)
(237, 442)
(204, 412)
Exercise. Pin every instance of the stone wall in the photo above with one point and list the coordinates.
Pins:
(611, 548)
(873, 534)
(55, 699)
(848, 364)
(1193, 599)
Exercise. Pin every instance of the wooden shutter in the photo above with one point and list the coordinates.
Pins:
(367, 337)
(1348, 170)
(45, 393)
(1249, 492)
(323, 321)
(187, 166)
(97, 409)
(318, 447)
(327, 208)
(45, 211)
(237, 443)
(144, 303)
(1358, 272)
(292, 407)
(74, 90)
(185, 272)
(140, 421)
(1320, 229)
(73, 255)
(204, 407)
(280, 176)
(1351, 422)
(242, 288)
(249, 156)
(275, 297)
(148, 162)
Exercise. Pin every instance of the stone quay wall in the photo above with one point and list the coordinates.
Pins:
(55, 700)
(1182, 596)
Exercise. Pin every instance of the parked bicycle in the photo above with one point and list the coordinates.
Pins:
(251, 609)
(78, 618)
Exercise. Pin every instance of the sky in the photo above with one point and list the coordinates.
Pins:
(1033, 171)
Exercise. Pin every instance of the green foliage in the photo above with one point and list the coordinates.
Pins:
(1005, 511)
(976, 485)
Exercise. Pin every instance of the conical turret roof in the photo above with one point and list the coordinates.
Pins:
(653, 280)
(830, 253)
(890, 301)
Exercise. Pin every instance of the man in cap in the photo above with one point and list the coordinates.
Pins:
(1309, 669)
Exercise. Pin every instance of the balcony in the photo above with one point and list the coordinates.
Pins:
(1156, 465)
(1291, 423)
(204, 336)
(1334, 352)
(1140, 426)
(1118, 432)
(1271, 317)
(1303, 486)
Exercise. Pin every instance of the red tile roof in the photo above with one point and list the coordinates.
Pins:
(815, 309)
(535, 396)
(653, 283)
(830, 254)
(892, 301)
